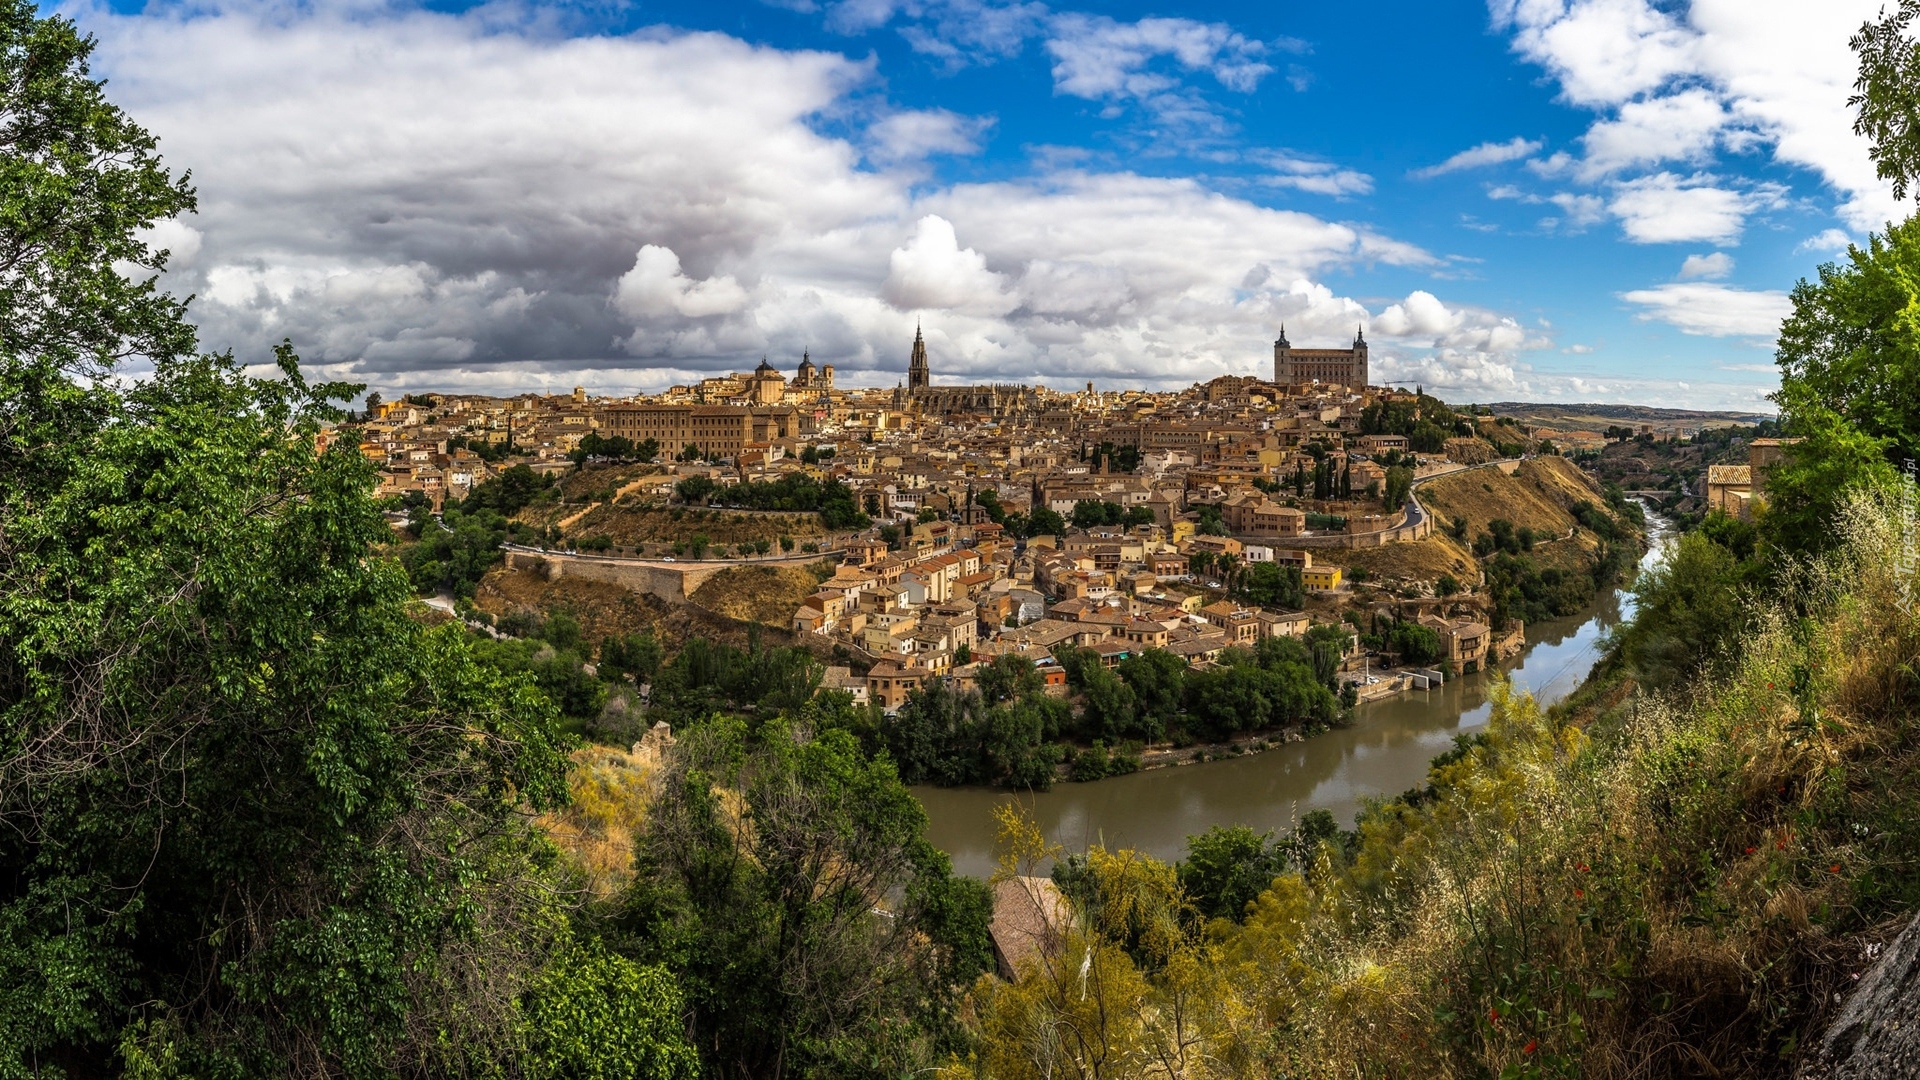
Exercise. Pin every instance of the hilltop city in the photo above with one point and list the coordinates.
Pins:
(993, 519)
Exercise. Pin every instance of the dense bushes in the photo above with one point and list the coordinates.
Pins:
(762, 872)
(454, 553)
(1010, 731)
(832, 500)
(1627, 884)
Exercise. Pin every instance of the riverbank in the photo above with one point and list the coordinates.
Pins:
(1384, 752)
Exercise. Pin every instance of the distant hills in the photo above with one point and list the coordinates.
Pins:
(1561, 417)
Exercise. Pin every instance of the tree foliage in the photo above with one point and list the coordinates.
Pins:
(764, 865)
(257, 819)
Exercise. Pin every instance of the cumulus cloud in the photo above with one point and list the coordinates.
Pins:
(1603, 52)
(1827, 242)
(1664, 209)
(655, 287)
(934, 272)
(1487, 153)
(1468, 351)
(1710, 310)
(424, 199)
(1679, 127)
(1671, 79)
(1709, 267)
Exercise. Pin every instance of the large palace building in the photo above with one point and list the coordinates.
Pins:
(1345, 367)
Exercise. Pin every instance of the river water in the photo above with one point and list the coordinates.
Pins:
(1383, 753)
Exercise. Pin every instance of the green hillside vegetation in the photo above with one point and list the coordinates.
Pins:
(259, 821)
(1630, 882)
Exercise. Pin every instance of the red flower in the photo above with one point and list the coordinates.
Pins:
(1532, 1045)
(1493, 1015)
(1583, 868)
(1579, 893)
(1750, 851)
(1834, 869)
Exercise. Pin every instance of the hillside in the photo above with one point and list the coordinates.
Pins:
(762, 594)
(1653, 879)
(1540, 496)
(1598, 416)
(605, 609)
(629, 525)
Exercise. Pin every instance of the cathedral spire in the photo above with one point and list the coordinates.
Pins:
(919, 375)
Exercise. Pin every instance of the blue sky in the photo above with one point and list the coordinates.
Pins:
(1600, 200)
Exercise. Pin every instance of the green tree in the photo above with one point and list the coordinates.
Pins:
(695, 489)
(257, 819)
(1227, 866)
(1042, 521)
(277, 737)
(1887, 95)
(79, 180)
(760, 872)
(596, 1015)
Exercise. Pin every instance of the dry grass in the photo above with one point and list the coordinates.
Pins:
(1538, 496)
(1420, 560)
(759, 593)
(611, 789)
(1631, 887)
(602, 608)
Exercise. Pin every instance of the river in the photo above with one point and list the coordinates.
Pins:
(1384, 752)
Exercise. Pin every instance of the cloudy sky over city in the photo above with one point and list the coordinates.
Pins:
(1576, 200)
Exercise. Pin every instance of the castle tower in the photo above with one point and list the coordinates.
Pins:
(1360, 379)
(919, 377)
(1282, 370)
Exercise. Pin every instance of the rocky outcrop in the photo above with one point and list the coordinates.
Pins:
(1877, 1034)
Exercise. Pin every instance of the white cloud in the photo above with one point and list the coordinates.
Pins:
(934, 272)
(180, 240)
(1778, 71)
(1471, 351)
(1708, 267)
(656, 287)
(915, 134)
(1578, 350)
(1604, 52)
(1096, 57)
(959, 32)
(1710, 310)
(1829, 242)
(1311, 175)
(1487, 153)
(1581, 210)
(1678, 127)
(424, 199)
(1664, 209)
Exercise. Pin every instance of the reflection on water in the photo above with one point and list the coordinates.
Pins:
(1385, 752)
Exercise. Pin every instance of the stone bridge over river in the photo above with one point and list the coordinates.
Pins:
(672, 580)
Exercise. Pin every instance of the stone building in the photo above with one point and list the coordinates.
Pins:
(1344, 367)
